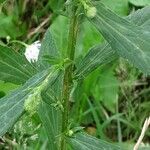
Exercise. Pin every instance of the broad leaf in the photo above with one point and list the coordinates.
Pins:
(81, 141)
(12, 106)
(14, 68)
(128, 40)
(103, 54)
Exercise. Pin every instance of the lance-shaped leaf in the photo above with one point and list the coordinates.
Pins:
(140, 17)
(51, 120)
(14, 68)
(82, 141)
(103, 54)
(97, 55)
(13, 105)
(50, 113)
(128, 40)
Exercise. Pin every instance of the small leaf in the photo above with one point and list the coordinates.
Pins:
(82, 141)
(128, 40)
(12, 105)
(14, 68)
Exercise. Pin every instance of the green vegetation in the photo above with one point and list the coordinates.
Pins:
(89, 88)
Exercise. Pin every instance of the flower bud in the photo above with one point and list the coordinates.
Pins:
(91, 12)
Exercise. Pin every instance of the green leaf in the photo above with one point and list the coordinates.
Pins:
(7, 87)
(128, 40)
(12, 106)
(97, 55)
(50, 115)
(48, 48)
(118, 6)
(141, 17)
(107, 89)
(14, 68)
(60, 33)
(8, 23)
(51, 120)
(56, 5)
(140, 2)
(82, 141)
(103, 53)
(87, 37)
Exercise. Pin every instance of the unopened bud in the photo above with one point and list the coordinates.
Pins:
(91, 12)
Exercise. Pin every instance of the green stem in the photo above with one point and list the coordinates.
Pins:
(67, 84)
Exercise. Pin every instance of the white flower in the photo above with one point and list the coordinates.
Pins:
(32, 51)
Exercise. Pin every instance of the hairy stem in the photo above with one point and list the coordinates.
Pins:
(67, 84)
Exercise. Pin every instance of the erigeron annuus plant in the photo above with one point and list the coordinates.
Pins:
(47, 87)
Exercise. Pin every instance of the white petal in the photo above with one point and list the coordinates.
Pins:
(32, 51)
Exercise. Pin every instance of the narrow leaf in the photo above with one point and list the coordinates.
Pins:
(12, 106)
(103, 54)
(97, 55)
(140, 17)
(82, 141)
(130, 41)
(50, 115)
(14, 68)
(51, 120)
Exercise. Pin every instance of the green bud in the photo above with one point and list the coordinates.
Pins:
(70, 133)
(91, 12)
